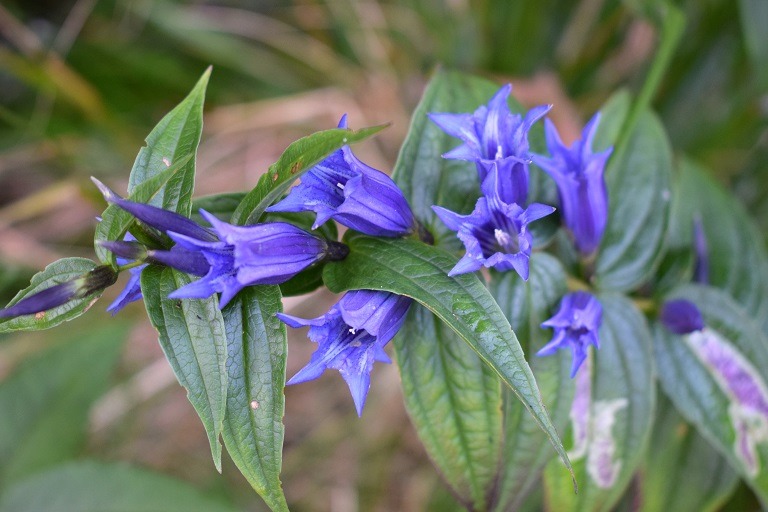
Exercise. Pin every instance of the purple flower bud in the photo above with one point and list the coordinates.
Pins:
(576, 326)
(351, 336)
(94, 281)
(162, 220)
(681, 316)
(496, 233)
(578, 173)
(242, 256)
(494, 137)
(343, 188)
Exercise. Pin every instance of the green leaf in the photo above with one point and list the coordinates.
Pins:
(175, 136)
(46, 400)
(256, 355)
(221, 205)
(454, 401)
(683, 472)
(609, 434)
(192, 335)
(527, 304)
(702, 393)
(638, 208)
(425, 177)
(60, 271)
(738, 260)
(100, 487)
(754, 22)
(419, 271)
(115, 221)
(298, 158)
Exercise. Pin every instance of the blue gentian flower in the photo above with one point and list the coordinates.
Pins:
(496, 233)
(351, 336)
(576, 326)
(681, 316)
(343, 188)
(270, 253)
(236, 256)
(578, 173)
(494, 137)
(94, 281)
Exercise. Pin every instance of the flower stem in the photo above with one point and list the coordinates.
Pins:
(130, 265)
(672, 21)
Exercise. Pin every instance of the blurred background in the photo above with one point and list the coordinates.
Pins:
(82, 82)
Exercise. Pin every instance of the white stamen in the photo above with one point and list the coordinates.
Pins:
(340, 186)
(499, 152)
(502, 237)
(352, 330)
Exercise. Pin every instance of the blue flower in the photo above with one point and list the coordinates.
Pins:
(270, 253)
(234, 256)
(576, 326)
(681, 316)
(94, 281)
(578, 173)
(495, 138)
(343, 188)
(351, 336)
(496, 233)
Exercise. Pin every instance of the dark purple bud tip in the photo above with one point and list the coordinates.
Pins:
(336, 251)
(681, 316)
(58, 294)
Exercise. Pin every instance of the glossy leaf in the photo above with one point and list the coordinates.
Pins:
(454, 401)
(701, 390)
(46, 400)
(57, 272)
(256, 357)
(174, 137)
(738, 260)
(115, 221)
(221, 205)
(192, 336)
(638, 208)
(682, 471)
(527, 304)
(298, 158)
(89, 486)
(419, 271)
(611, 428)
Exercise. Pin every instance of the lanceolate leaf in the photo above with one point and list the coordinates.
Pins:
(175, 136)
(193, 338)
(682, 471)
(638, 196)
(115, 221)
(420, 271)
(454, 401)
(738, 261)
(527, 305)
(57, 272)
(45, 401)
(88, 486)
(612, 412)
(717, 379)
(256, 354)
(298, 158)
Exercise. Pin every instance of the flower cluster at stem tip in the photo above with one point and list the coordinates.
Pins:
(496, 234)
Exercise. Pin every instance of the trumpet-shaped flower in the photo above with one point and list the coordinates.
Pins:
(578, 173)
(494, 137)
(351, 336)
(236, 256)
(496, 233)
(576, 326)
(343, 188)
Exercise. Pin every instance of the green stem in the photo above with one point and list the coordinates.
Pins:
(672, 23)
(130, 265)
